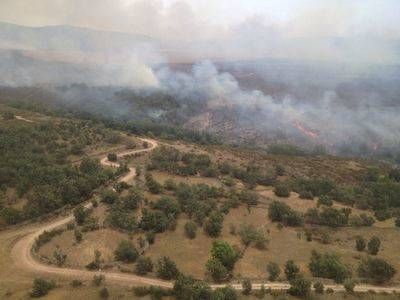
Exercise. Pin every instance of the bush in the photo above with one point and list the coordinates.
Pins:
(143, 266)
(214, 223)
(188, 288)
(225, 293)
(216, 270)
(166, 268)
(397, 222)
(246, 287)
(78, 235)
(112, 157)
(250, 235)
(80, 214)
(382, 215)
(328, 266)
(104, 294)
(190, 229)
(325, 200)
(349, 285)
(374, 245)
(225, 253)
(375, 269)
(150, 237)
(274, 271)
(299, 286)
(306, 195)
(282, 190)
(126, 252)
(141, 291)
(319, 287)
(76, 283)
(281, 212)
(360, 243)
(98, 280)
(291, 270)
(95, 264)
(41, 287)
(109, 196)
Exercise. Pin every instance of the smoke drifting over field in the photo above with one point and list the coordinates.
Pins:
(330, 78)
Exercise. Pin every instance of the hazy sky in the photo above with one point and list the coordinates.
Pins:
(349, 16)
(235, 28)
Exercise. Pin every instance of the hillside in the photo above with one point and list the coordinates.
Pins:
(184, 201)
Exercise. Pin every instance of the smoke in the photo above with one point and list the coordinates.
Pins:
(330, 120)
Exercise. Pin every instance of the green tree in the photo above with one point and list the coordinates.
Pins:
(80, 214)
(282, 190)
(325, 200)
(126, 252)
(373, 245)
(274, 271)
(166, 268)
(299, 286)
(59, 256)
(112, 157)
(225, 253)
(375, 269)
(349, 285)
(225, 293)
(143, 266)
(216, 270)
(41, 287)
(78, 235)
(190, 229)
(319, 287)
(187, 288)
(214, 223)
(328, 265)
(109, 196)
(360, 243)
(291, 270)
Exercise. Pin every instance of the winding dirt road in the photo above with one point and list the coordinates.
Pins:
(22, 251)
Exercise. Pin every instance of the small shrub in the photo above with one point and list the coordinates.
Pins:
(112, 157)
(104, 294)
(246, 287)
(319, 287)
(273, 270)
(76, 283)
(126, 252)
(190, 229)
(299, 286)
(360, 243)
(41, 287)
(166, 268)
(349, 285)
(98, 280)
(143, 266)
(291, 270)
(282, 190)
(141, 291)
(374, 245)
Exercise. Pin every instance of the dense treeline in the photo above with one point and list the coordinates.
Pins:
(33, 161)
(138, 121)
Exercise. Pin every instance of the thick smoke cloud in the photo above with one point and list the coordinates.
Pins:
(327, 120)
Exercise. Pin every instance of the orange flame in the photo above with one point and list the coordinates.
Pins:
(306, 131)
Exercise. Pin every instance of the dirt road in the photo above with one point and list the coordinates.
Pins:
(22, 252)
